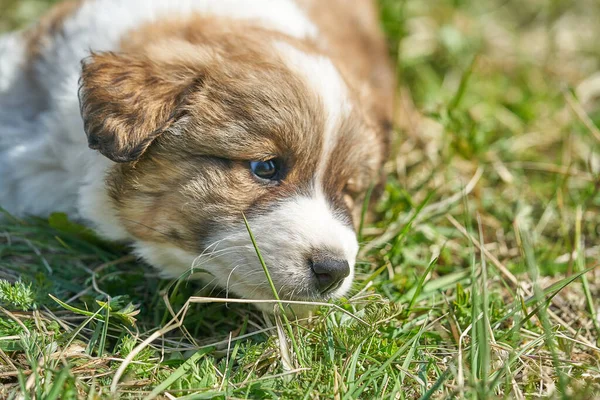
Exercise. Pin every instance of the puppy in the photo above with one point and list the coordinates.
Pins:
(161, 123)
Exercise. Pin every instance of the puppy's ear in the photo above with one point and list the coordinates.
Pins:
(128, 100)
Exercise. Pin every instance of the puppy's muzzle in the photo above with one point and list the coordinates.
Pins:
(329, 271)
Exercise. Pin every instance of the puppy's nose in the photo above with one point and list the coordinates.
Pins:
(330, 272)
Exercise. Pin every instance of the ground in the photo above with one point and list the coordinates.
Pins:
(480, 279)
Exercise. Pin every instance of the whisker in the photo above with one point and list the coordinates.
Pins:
(199, 262)
(228, 279)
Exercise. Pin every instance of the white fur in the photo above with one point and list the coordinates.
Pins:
(286, 238)
(12, 50)
(99, 25)
(323, 78)
(170, 260)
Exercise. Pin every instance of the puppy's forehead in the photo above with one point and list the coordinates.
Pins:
(324, 82)
(288, 104)
(252, 110)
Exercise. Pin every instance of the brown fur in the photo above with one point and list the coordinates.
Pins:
(193, 100)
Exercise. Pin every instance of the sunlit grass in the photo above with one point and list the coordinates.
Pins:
(479, 278)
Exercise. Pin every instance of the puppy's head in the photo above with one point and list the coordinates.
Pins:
(203, 134)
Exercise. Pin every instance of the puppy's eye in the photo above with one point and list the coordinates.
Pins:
(269, 169)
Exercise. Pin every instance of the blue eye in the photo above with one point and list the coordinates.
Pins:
(268, 169)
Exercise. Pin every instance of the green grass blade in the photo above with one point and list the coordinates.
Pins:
(272, 285)
(102, 342)
(58, 385)
(363, 212)
(311, 388)
(178, 373)
(547, 295)
(436, 385)
(421, 282)
(543, 314)
(462, 87)
(262, 263)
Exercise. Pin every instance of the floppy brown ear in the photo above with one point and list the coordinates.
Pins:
(128, 100)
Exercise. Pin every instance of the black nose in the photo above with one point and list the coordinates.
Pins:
(330, 272)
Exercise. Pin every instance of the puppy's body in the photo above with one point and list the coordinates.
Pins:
(179, 98)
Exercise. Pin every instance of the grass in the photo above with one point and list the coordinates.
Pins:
(479, 280)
